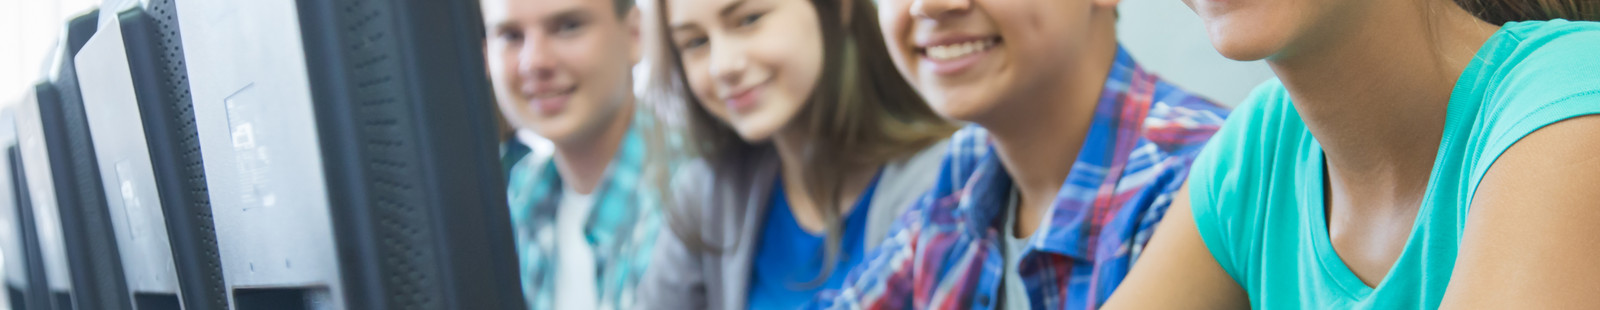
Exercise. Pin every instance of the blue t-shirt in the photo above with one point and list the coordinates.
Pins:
(789, 258)
(1258, 194)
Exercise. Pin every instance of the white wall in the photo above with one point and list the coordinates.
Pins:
(28, 33)
(1167, 38)
(1162, 34)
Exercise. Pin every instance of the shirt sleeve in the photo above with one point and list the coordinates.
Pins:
(1216, 175)
(675, 279)
(1554, 81)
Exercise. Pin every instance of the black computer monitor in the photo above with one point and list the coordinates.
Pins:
(154, 56)
(121, 75)
(350, 151)
(18, 238)
(33, 291)
(87, 225)
(41, 204)
(16, 273)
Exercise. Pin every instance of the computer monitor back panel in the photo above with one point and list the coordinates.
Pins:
(41, 190)
(112, 109)
(10, 228)
(259, 140)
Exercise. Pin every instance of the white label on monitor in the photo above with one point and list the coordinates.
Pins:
(250, 154)
(132, 206)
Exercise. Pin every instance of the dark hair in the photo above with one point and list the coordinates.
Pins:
(862, 113)
(622, 6)
(1501, 11)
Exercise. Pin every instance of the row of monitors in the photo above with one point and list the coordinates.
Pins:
(247, 154)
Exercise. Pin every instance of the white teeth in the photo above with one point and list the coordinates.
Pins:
(549, 94)
(953, 51)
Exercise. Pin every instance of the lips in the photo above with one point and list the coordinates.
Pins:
(952, 55)
(550, 100)
(743, 100)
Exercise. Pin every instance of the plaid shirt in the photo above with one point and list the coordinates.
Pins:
(621, 228)
(945, 253)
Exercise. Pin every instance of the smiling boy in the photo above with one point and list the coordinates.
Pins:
(1073, 154)
(585, 222)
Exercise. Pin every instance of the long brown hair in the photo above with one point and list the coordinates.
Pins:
(1499, 12)
(861, 114)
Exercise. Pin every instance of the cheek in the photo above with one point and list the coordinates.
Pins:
(801, 68)
(579, 58)
(1062, 24)
(503, 72)
(702, 88)
(503, 65)
(716, 108)
(893, 20)
(1041, 42)
(793, 50)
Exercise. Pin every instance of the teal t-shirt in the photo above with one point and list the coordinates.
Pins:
(1257, 188)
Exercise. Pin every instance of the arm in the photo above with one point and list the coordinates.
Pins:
(674, 279)
(1533, 235)
(1176, 271)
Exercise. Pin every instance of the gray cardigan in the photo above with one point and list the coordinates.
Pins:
(729, 210)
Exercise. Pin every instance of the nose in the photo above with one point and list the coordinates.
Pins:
(728, 63)
(535, 60)
(938, 9)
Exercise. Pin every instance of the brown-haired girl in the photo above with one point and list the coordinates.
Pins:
(809, 144)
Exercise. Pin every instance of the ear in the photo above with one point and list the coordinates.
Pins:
(631, 21)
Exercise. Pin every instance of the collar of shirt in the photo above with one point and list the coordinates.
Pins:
(1067, 230)
(613, 198)
(945, 252)
(620, 228)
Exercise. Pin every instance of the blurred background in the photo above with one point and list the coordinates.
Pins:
(29, 30)
(1166, 37)
(1162, 34)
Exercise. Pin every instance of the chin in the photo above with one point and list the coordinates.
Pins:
(962, 108)
(754, 134)
(1244, 42)
(560, 130)
(1243, 54)
(1241, 51)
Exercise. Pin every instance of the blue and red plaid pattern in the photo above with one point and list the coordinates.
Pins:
(945, 253)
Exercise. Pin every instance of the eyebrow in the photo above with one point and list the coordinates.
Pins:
(726, 10)
(568, 14)
(504, 25)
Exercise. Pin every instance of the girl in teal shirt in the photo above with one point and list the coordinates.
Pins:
(1416, 154)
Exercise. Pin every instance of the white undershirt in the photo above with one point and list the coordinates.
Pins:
(538, 147)
(575, 270)
(1016, 295)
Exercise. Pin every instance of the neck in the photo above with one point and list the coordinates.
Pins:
(1375, 93)
(791, 144)
(1038, 142)
(582, 162)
